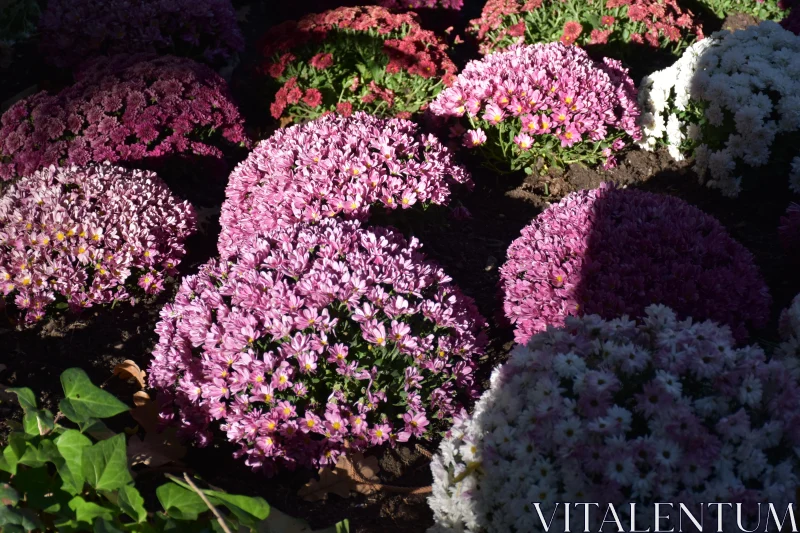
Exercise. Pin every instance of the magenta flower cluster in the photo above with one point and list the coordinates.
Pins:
(88, 236)
(620, 412)
(123, 110)
(320, 339)
(615, 251)
(335, 166)
(73, 31)
(545, 100)
(789, 231)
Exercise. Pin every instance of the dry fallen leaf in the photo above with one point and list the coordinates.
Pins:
(141, 398)
(349, 474)
(156, 449)
(130, 370)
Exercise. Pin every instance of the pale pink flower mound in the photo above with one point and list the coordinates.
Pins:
(615, 251)
(88, 236)
(789, 231)
(320, 340)
(335, 166)
(554, 92)
(126, 109)
(618, 412)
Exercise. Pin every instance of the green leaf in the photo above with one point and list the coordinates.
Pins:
(179, 502)
(88, 511)
(12, 453)
(38, 422)
(8, 496)
(41, 490)
(104, 526)
(85, 400)
(26, 398)
(14, 520)
(71, 445)
(132, 503)
(105, 464)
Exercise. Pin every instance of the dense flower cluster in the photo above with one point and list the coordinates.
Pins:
(657, 23)
(122, 110)
(732, 100)
(616, 412)
(417, 4)
(87, 236)
(790, 231)
(320, 339)
(789, 326)
(75, 30)
(335, 166)
(615, 251)
(355, 58)
(547, 101)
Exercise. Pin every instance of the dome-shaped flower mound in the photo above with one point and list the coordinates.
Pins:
(789, 326)
(424, 4)
(123, 110)
(615, 251)
(615, 23)
(73, 31)
(355, 59)
(619, 412)
(88, 236)
(332, 166)
(547, 101)
(323, 339)
(733, 102)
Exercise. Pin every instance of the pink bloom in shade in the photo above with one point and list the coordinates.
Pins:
(523, 141)
(321, 61)
(607, 20)
(310, 423)
(637, 38)
(493, 114)
(344, 108)
(517, 30)
(599, 36)
(572, 28)
(312, 97)
(474, 137)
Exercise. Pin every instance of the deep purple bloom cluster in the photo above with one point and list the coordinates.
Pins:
(789, 231)
(75, 30)
(123, 110)
(321, 339)
(86, 236)
(545, 100)
(333, 166)
(615, 251)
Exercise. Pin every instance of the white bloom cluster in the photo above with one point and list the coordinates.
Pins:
(748, 81)
(615, 411)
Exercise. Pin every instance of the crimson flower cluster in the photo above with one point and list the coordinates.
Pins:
(335, 166)
(74, 30)
(321, 339)
(548, 101)
(126, 109)
(613, 252)
(417, 4)
(657, 23)
(354, 58)
(790, 231)
(79, 237)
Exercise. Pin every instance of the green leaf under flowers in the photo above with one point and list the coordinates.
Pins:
(71, 445)
(246, 508)
(89, 511)
(132, 503)
(19, 520)
(38, 422)
(84, 400)
(26, 398)
(179, 502)
(105, 464)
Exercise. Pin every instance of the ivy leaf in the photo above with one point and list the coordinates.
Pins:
(105, 464)
(71, 445)
(26, 398)
(84, 400)
(14, 452)
(132, 503)
(104, 526)
(8, 496)
(14, 520)
(41, 490)
(38, 422)
(179, 502)
(88, 511)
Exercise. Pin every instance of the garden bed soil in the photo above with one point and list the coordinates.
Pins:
(471, 251)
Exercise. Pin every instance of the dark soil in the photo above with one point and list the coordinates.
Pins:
(471, 251)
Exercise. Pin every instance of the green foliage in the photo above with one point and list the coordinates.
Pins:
(70, 479)
(767, 10)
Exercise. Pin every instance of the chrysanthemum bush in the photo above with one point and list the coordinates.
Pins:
(789, 326)
(355, 59)
(615, 23)
(123, 110)
(336, 166)
(733, 102)
(619, 411)
(73, 238)
(73, 31)
(544, 101)
(321, 340)
(789, 231)
(417, 4)
(613, 251)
